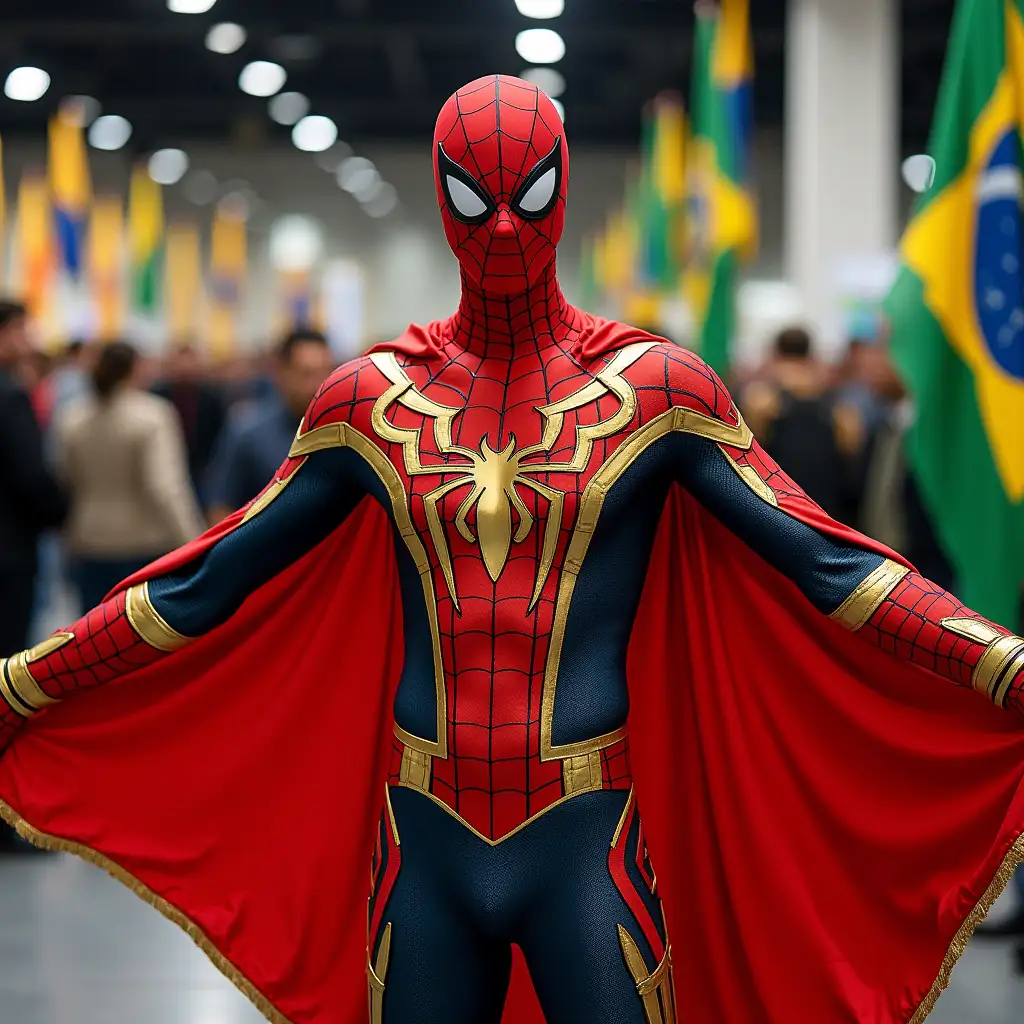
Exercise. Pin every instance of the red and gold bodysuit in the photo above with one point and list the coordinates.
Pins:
(525, 480)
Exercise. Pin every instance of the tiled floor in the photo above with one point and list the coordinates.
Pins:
(77, 948)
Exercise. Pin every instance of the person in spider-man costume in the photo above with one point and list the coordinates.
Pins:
(516, 562)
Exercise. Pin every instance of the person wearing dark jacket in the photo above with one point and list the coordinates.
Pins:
(200, 406)
(30, 498)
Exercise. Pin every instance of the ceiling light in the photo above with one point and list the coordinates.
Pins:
(295, 243)
(190, 6)
(540, 8)
(262, 78)
(357, 173)
(560, 108)
(383, 203)
(26, 84)
(85, 109)
(225, 37)
(540, 46)
(288, 107)
(546, 79)
(314, 133)
(919, 172)
(111, 131)
(168, 166)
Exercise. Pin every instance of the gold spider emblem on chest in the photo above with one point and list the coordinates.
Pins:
(496, 479)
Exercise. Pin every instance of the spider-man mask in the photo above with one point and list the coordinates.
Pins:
(501, 166)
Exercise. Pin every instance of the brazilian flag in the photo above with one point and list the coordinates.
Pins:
(957, 311)
(722, 221)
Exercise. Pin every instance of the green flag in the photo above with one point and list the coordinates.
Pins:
(722, 220)
(146, 232)
(957, 313)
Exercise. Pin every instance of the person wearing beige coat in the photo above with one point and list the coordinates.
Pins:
(121, 454)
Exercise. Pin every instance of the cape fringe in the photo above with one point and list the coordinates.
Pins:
(1013, 859)
(50, 842)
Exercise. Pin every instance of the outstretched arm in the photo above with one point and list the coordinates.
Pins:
(309, 496)
(883, 601)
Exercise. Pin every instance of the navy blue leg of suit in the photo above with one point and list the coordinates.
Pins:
(457, 904)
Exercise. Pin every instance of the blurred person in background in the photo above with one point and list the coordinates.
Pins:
(121, 453)
(30, 497)
(200, 407)
(256, 440)
(70, 378)
(794, 412)
(892, 510)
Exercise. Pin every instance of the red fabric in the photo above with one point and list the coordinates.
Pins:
(822, 818)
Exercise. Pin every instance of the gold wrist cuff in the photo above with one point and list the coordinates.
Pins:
(149, 623)
(998, 667)
(855, 611)
(17, 684)
(1001, 661)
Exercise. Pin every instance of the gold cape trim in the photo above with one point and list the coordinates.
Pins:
(50, 842)
(1013, 859)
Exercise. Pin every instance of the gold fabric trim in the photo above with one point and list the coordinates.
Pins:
(391, 815)
(486, 839)
(582, 774)
(997, 668)
(654, 988)
(592, 500)
(344, 435)
(50, 842)
(495, 478)
(270, 494)
(1013, 859)
(149, 623)
(750, 477)
(622, 818)
(9, 696)
(971, 629)
(415, 770)
(377, 974)
(18, 685)
(855, 611)
(48, 646)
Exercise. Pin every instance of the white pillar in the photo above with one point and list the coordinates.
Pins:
(842, 136)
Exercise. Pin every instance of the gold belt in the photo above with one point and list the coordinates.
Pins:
(580, 774)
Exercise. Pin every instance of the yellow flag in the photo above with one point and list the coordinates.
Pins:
(70, 187)
(228, 262)
(182, 282)
(35, 245)
(106, 265)
(146, 233)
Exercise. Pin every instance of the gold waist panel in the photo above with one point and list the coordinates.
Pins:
(581, 773)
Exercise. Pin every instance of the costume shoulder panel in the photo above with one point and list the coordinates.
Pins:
(340, 396)
(669, 376)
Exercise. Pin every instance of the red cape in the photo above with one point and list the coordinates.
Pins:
(828, 824)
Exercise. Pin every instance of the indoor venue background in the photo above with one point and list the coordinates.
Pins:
(201, 178)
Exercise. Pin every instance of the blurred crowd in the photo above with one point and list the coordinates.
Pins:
(110, 458)
(839, 430)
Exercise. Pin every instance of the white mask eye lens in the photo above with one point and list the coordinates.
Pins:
(466, 202)
(539, 193)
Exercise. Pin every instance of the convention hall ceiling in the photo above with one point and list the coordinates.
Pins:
(381, 68)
